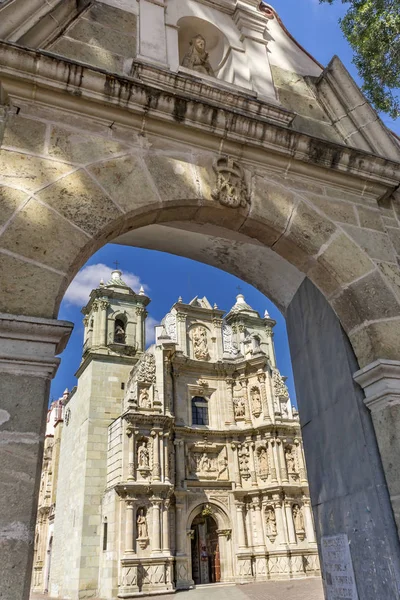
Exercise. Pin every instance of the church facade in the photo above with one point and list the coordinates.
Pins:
(182, 464)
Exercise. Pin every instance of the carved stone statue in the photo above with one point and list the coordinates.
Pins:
(238, 400)
(263, 460)
(205, 463)
(200, 344)
(298, 518)
(256, 407)
(142, 525)
(222, 466)
(143, 456)
(270, 522)
(290, 460)
(197, 57)
(144, 398)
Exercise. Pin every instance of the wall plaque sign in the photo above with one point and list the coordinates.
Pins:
(338, 571)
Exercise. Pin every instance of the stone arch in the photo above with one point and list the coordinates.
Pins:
(219, 512)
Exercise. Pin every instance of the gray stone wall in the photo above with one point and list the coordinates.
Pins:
(348, 488)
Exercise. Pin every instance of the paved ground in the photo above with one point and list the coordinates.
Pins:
(294, 589)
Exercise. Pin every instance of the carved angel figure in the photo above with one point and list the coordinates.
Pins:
(205, 463)
(200, 344)
(142, 525)
(197, 57)
(143, 456)
(298, 518)
(270, 521)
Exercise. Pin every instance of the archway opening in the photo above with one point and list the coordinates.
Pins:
(205, 550)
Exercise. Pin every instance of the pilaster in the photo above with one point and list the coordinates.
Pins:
(28, 348)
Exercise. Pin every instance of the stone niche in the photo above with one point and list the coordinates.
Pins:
(217, 45)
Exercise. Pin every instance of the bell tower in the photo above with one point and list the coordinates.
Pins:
(115, 320)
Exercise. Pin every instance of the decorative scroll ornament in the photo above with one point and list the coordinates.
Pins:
(280, 388)
(231, 187)
(170, 326)
(147, 369)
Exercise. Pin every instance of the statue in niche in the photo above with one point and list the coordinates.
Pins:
(270, 521)
(290, 460)
(143, 456)
(255, 396)
(144, 398)
(197, 58)
(238, 400)
(200, 344)
(142, 525)
(263, 460)
(298, 518)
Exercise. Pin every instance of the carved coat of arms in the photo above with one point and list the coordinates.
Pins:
(231, 187)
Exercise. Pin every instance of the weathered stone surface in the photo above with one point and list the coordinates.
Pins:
(79, 199)
(29, 172)
(18, 277)
(308, 229)
(103, 37)
(83, 149)
(367, 298)
(391, 273)
(25, 134)
(127, 181)
(271, 207)
(288, 80)
(376, 340)
(10, 200)
(173, 178)
(26, 236)
(340, 212)
(113, 17)
(376, 245)
(370, 219)
(92, 55)
(394, 235)
(345, 260)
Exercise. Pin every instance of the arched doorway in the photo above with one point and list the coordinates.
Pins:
(206, 560)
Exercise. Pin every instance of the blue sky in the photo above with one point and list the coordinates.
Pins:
(167, 277)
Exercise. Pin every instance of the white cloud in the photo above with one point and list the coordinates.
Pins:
(89, 277)
(150, 332)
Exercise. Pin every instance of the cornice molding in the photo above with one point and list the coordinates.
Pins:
(209, 114)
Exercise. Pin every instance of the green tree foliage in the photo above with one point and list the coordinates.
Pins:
(372, 28)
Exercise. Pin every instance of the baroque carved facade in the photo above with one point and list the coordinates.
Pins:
(200, 474)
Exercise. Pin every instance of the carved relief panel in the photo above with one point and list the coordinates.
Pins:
(199, 336)
(207, 463)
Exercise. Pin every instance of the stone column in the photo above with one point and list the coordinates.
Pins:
(282, 461)
(289, 522)
(181, 333)
(300, 461)
(130, 432)
(280, 520)
(380, 381)
(309, 523)
(166, 542)
(259, 523)
(96, 324)
(102, 338)
(238, 479)
(272, 461)
(28, 348)
(250, 445)
(166, 457)
(274, 443)
(153, 37)
(245, 384)
(139, 327)
(130, 526)
(230, 413)
(179, 464)
(179, 528)
(156, 455)
(261, 380)
(156, 537)
(241, 533)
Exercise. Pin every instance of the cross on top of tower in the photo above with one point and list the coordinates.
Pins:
(116, 263)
